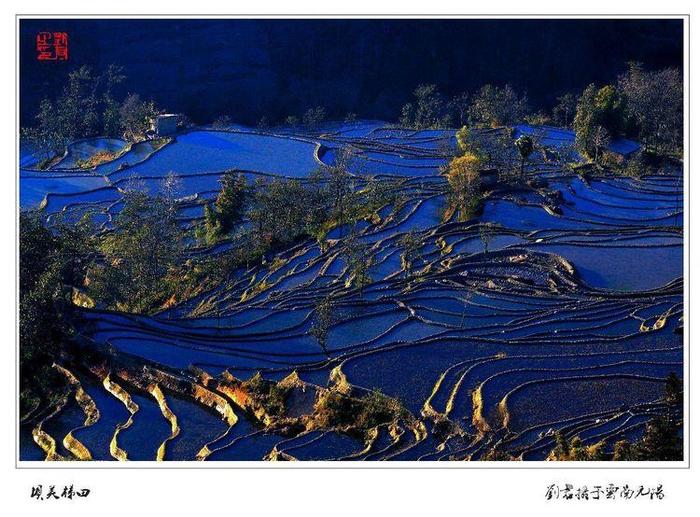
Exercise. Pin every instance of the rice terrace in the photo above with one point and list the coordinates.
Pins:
(485, 275)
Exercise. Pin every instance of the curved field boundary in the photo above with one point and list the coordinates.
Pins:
(92, 415)
(131, 406)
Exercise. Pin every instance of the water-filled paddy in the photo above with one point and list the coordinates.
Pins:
(562, 318)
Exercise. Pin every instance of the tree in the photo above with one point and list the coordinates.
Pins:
(49, 137)
(360, 260)
(135, 117)
(324, 319)
(338, 184)
(230, 200)
(467, 143)
(145, 247)
(623, 451)
(654, 102)
(408, 115)
(525, 147)
(428, 110)
(464, 179)
(564, 110)
(283, 210)
(661, 441)
(600, 140)
(562, 448)
(584, 120)
(610, 110)
(73, 115)
(460, 107)
(486, 235)
(575, 450)
(313, 117)
(674, 389)
(171, 186)
(51, 262)
(598, 108)
(210, 231)
(77, 105)
(410, 246)
(113, 76)
(84, 106)
(493, 106)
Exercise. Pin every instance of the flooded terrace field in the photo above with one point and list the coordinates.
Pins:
(517, 323)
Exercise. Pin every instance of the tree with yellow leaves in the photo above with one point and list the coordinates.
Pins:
(464, 179)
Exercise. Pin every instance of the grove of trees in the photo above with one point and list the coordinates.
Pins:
(643, 105)
(85, 107)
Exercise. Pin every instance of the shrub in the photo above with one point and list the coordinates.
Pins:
(428, 110)
(358, 415)
(268, 395)
(313, 117)
(222, 121)
(492, 106)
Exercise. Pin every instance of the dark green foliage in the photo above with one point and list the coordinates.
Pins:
(141, 256)
(228, 210)
(661, 441)
(282, 211)
(636, 166)
(336, 185)
(358, 415)
(378, 409)
(492, 106)
(562, 447)
(210, 231)
(623, 451)
(600, 116)
(575, 450)
(467, 143)
(50, 262)
(84, 107)
(267, 394)
(674, 389)
(230, 201)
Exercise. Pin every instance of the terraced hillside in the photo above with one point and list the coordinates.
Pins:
(558, 308)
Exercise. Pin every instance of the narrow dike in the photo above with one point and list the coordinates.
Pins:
(92, 415)
(157, 394)
(131, 406)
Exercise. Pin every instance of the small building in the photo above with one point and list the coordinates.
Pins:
(165, 124)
